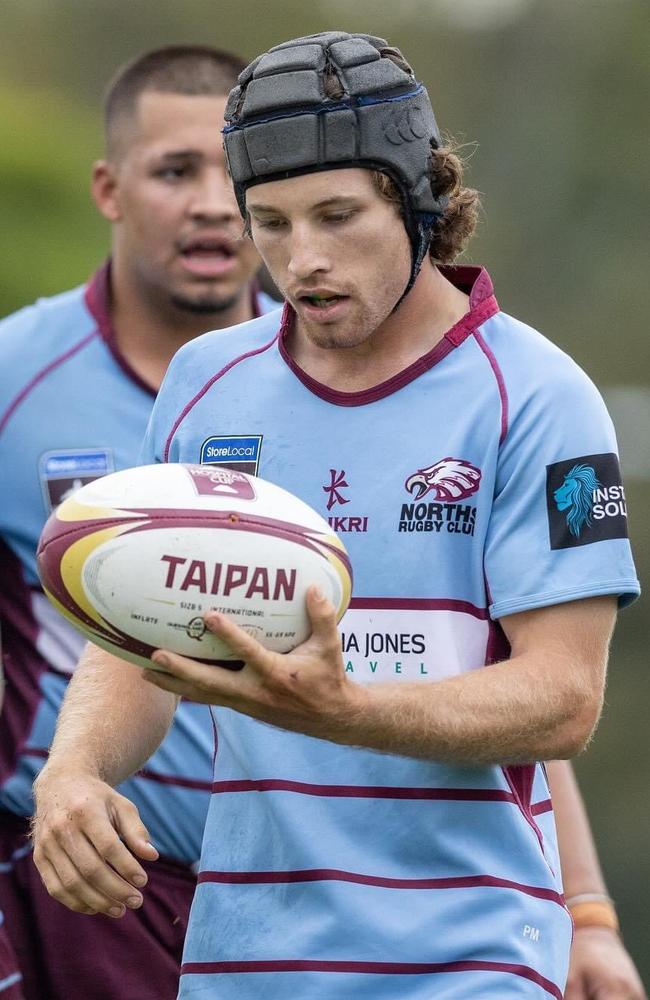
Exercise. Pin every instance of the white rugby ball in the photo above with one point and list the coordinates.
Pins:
(136, 558)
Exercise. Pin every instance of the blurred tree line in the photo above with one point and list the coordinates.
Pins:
(548, 98)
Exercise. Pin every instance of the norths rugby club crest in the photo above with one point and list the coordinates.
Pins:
(444, 485)
(586, 501)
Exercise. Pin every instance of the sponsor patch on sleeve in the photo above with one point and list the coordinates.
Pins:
(585, 500)
(63, 472)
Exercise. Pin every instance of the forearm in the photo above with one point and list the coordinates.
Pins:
(110, 721)
(541, 704)
(581, 871)
(504, 713)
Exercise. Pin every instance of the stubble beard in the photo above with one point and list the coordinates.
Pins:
(350, 333)
(203, 305)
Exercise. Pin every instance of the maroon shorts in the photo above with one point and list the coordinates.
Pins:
(70, 956)
(10, 978)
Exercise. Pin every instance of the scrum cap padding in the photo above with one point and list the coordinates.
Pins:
(280, 120)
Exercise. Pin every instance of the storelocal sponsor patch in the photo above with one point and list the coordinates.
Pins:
(240, 452)
(62, 472)
(585, 500)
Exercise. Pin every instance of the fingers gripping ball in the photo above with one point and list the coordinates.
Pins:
(135, 559)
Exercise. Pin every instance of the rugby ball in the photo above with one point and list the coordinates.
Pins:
(134, 560)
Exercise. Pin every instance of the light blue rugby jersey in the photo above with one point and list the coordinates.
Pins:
(72, 410)
(336, 872)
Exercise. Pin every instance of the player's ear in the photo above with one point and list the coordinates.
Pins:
(103, 187)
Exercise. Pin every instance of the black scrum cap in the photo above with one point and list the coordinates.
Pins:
(280, 122)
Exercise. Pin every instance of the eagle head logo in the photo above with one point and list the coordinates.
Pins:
(449, 480)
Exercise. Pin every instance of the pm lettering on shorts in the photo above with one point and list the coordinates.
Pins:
(585, 500)
(239, 452)
(63, 472)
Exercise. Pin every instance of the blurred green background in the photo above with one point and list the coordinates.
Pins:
(550, 97)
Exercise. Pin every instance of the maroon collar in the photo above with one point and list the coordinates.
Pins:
(98, 297)
(98, 302)
(474, 281)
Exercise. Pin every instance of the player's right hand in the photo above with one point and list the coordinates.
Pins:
(87, 838)
(601, 968)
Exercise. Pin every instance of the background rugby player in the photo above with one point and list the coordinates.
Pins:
(79, 374)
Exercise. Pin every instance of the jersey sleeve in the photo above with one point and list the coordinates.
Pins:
(167, 408)
(558, 526)
(152, 449)
(148, 452)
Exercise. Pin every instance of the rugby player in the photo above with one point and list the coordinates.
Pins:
(79, 375)
(434, 867)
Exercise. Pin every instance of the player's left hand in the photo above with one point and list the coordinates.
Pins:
(601, 968)
(305, 690)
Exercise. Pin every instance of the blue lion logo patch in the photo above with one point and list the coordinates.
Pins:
(575, 497)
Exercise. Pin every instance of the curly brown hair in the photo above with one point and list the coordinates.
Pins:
(456, 225)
